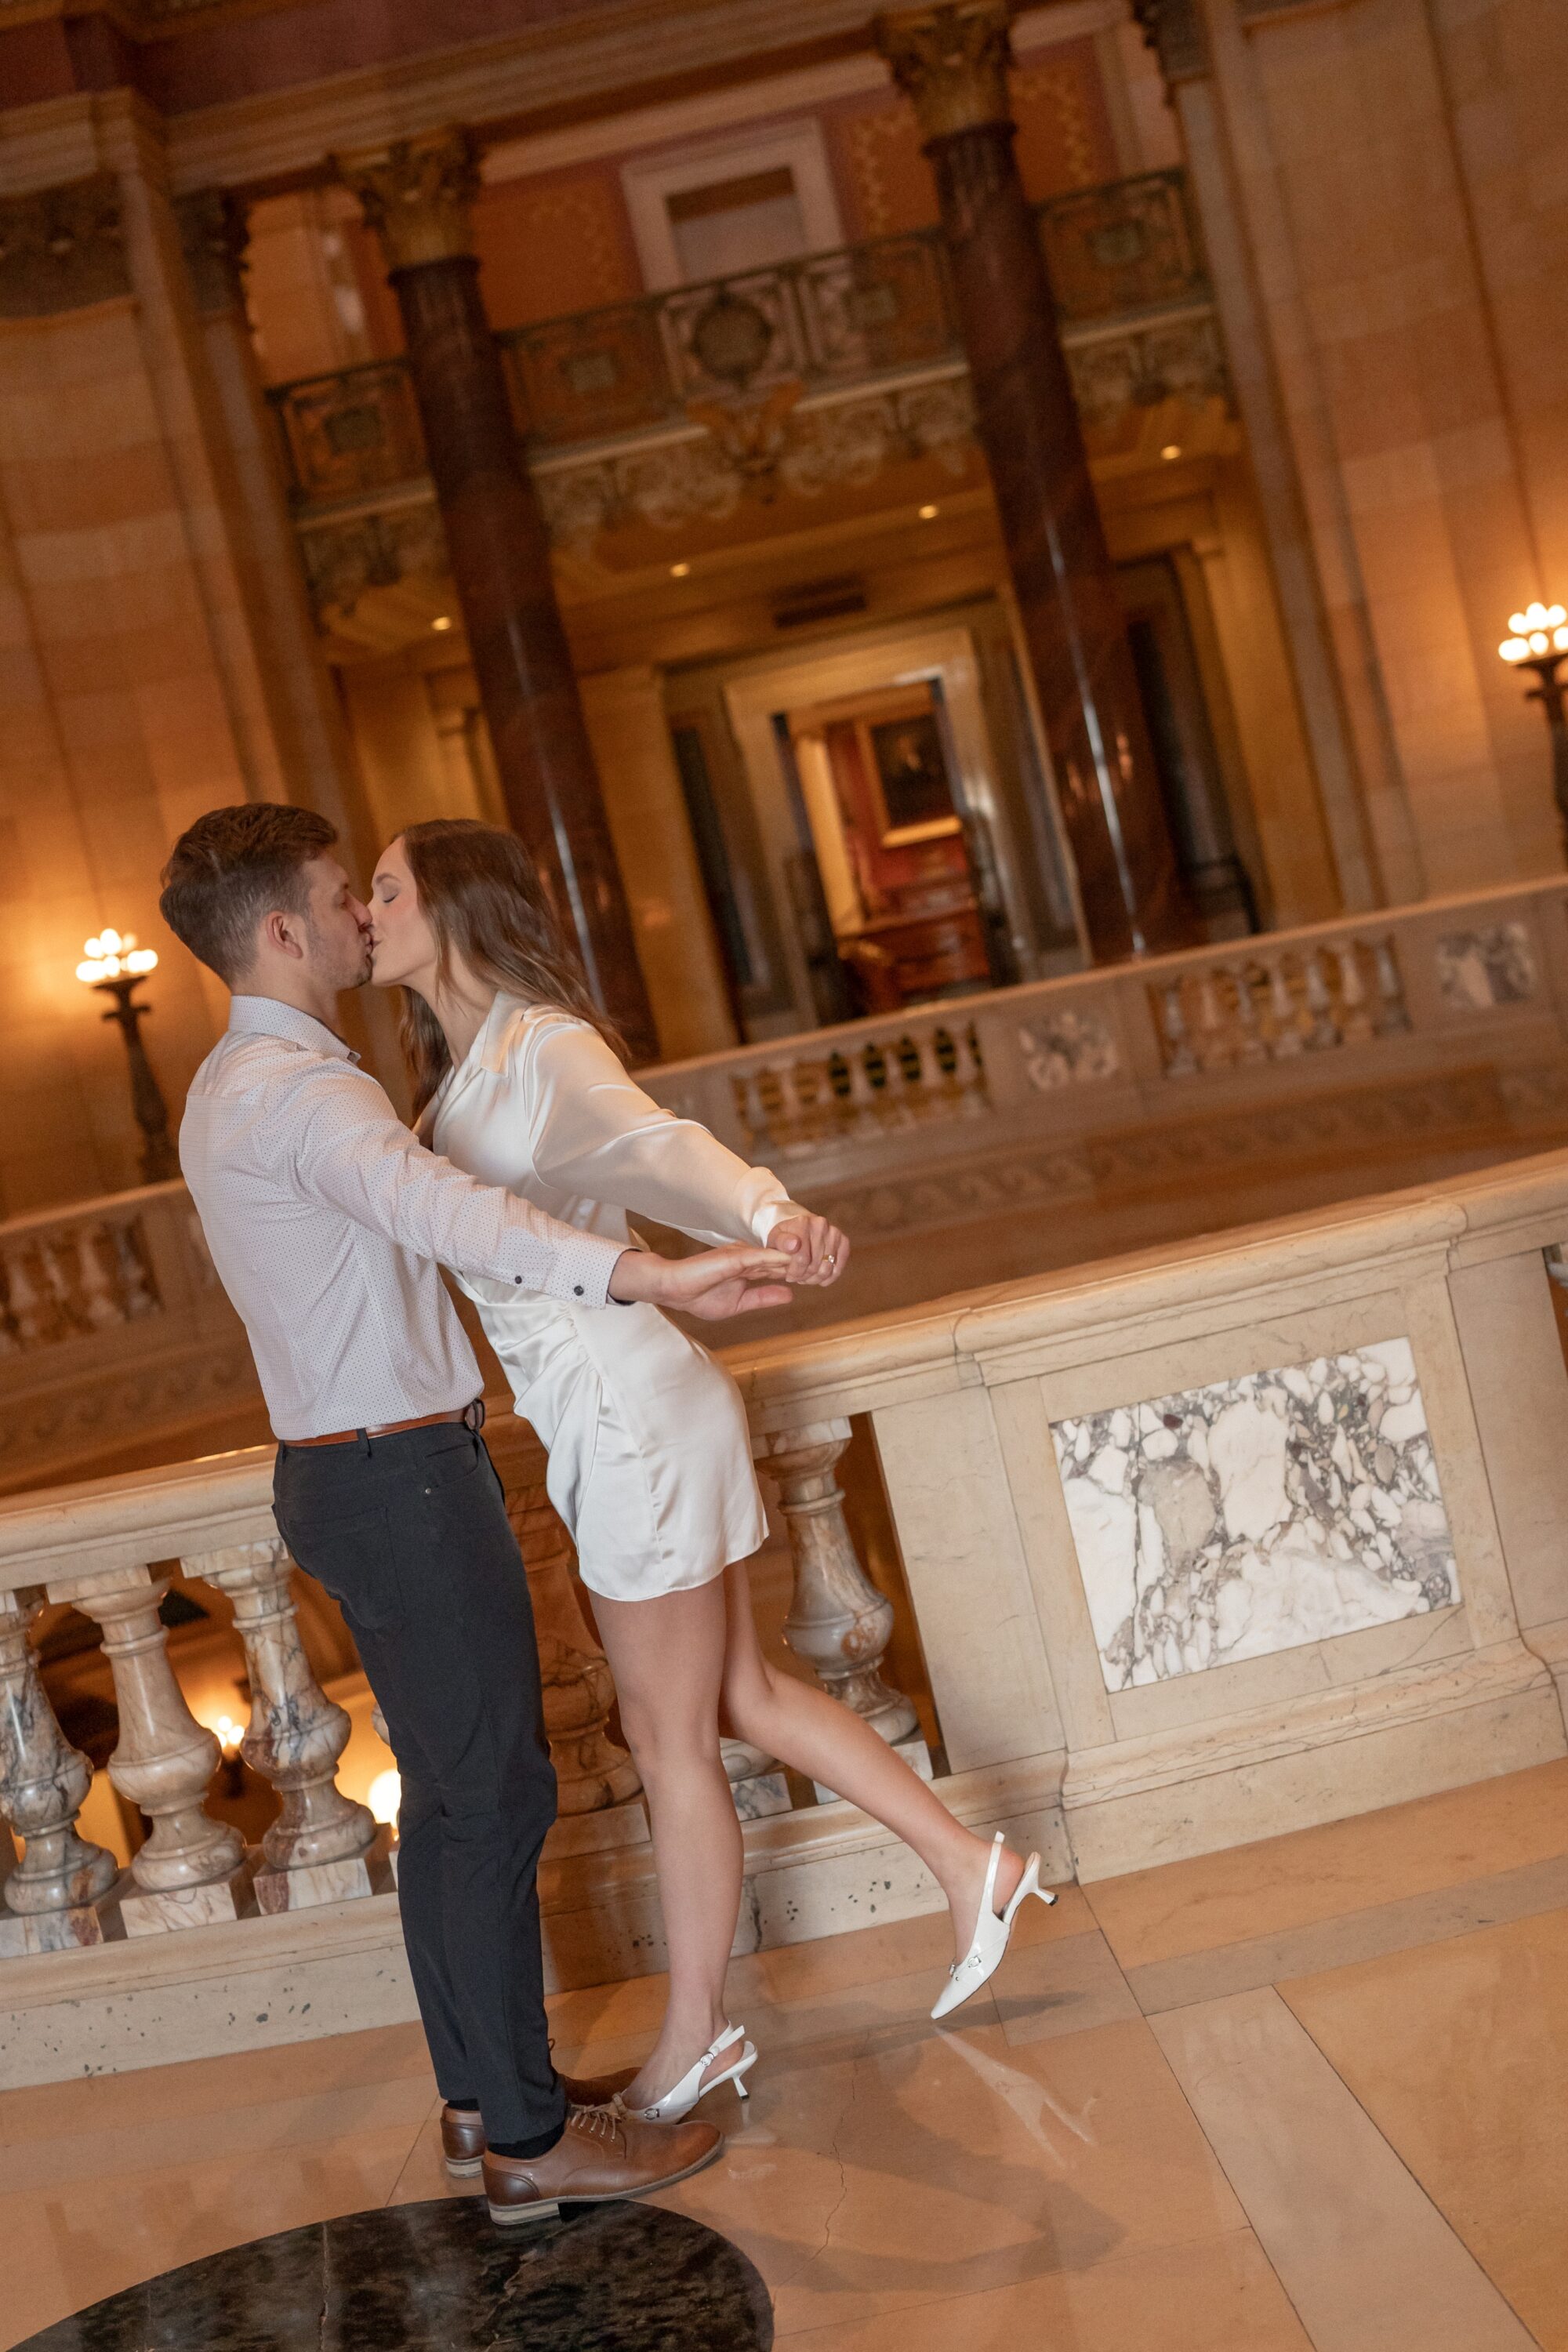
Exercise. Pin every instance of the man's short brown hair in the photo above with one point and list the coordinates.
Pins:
(231, 868)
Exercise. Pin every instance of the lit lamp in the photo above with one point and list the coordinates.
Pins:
(114, 964)
(1540, 642)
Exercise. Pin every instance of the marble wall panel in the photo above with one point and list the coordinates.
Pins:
(1255, 1514)
(1480, 969)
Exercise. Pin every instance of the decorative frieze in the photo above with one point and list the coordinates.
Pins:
(62, 248)
(1255, 1514)
(1480, 969)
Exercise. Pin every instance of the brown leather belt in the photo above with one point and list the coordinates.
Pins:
(387, 1428)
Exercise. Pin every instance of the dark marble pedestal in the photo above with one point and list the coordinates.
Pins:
(440, 2277)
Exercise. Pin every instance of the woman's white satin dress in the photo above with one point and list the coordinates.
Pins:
(650, 1463)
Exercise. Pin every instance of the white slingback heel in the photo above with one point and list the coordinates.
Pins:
(692, 2087)
(992, 1930)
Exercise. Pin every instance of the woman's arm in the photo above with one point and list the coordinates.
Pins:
(593, 1131)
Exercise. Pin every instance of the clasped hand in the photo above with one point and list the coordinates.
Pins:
(739, 1278)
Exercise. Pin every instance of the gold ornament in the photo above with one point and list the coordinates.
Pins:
(416, 194)
(953, 61)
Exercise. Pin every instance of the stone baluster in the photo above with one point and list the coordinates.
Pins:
(1211, 1037)
(53, 1899)
(319, 1848)
(1180, 1060)
(1355, 1012)
(192, 1870)
(837, 1620)
(974, 1065)
(137, 1295)
(591, 1770)
(10, 1336)
(29, 1308)
(1393, 1015)
(1250, 1045)
(1321, 1031)
(862, 1093)
(1285, 1020)
(103, 1299)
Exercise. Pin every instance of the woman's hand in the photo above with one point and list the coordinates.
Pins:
(716, 1282)
(819, 1252)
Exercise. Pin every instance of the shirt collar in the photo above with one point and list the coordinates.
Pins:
(267, 1016)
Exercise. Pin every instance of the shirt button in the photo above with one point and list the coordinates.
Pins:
(576, 1290)
(517, 1278)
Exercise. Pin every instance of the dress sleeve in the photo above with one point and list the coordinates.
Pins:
(593, 1131)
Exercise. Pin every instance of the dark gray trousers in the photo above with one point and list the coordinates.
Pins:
(409, 1535)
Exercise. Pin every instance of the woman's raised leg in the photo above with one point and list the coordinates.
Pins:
(829, 1742)
(668, 1659)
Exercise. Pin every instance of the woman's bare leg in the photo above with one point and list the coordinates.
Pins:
(830, 1743)
(668, 1659)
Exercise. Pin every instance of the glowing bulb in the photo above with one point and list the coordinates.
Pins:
(929, 514)
(442, 621)
(228, 1733)
(1540, 642)
(385, 1796)
(113, 953)
(1513, 649)
(680, 571)
(1171, 450)
(1560, 639)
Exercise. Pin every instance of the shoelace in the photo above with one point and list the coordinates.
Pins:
(600, 2121)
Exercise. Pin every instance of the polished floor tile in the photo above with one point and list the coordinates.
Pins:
(1458, 2053)
(1220, 2295)
(1286, 1883)
(1367, 2260)
(1342, 2125)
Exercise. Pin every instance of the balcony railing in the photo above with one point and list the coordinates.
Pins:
(1122, 257)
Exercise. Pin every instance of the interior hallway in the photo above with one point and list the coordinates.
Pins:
(1312, 2092)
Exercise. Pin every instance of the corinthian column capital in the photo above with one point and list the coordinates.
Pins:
(953, 61)
(416, 194)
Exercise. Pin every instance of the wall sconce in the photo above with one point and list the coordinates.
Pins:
(1540, 642)
(114, 965)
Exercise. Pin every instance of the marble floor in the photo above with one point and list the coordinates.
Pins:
(1309, 2093)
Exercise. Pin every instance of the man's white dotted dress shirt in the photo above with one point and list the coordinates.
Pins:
(325, 1220)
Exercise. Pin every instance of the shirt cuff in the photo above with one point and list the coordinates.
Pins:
(579, 1270)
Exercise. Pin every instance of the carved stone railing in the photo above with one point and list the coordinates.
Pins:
(1389, 1002)
(806, 373)
(1201, 1545)
(112, 1323)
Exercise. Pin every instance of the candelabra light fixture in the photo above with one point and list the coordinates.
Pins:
(1539, 642)
(114, 966)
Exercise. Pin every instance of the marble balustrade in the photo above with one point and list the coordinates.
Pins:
(1273, 1014)
(1259, 1530)
(112, 1323)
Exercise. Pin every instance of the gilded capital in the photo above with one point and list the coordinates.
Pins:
(416, 194)
(953, 61)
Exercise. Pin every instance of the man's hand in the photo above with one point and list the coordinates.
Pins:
(714, 1283)
(819, 1251)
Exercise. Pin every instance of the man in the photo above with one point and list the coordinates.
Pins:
(326, 1219)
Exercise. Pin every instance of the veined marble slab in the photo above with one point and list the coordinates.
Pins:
(1252, 1515)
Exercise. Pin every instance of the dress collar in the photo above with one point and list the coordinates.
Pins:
(268, 1016)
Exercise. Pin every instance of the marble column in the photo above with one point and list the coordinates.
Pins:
(52, 1897)
(416, 194)
(952, 61)
(192, 1870)
(837, 1620)
(319, 1848)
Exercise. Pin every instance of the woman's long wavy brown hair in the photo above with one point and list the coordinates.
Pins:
(482, 897)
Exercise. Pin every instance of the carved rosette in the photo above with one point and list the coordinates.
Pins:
(416, 194)
(952, 61)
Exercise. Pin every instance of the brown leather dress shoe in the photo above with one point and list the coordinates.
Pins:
(463, 2133)
(603, 2152)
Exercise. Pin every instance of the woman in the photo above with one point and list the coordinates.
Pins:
(516, 1080)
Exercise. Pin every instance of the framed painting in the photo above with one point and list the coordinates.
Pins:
(906, 762)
